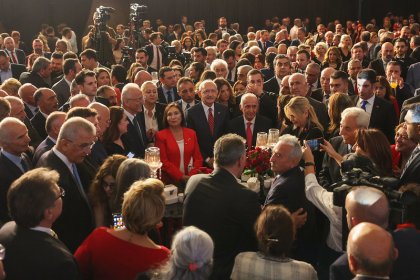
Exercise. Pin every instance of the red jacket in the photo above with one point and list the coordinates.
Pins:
(170, 155)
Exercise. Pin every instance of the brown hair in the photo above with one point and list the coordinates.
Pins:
(112, 133)
(336, 104)
(165, 114)
(220, 82)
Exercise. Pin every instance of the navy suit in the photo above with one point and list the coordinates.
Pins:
(267, 45)
(163, 97)
(17, 70)
(262, 124)
(42, 148)
(62, 90)
(137, 142)
(197, 120)
(38, 122)
(272, 85)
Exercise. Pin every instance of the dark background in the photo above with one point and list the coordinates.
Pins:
(27, 15)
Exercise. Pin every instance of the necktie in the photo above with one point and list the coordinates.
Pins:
(169, 97)
(78, 181)
(54, 234)
(363, 104)
(13, 56)
(188, 106)
(210, 120)
(356, 90)
(24, 165)
(414, 154)
(249, 134)
(158, 58)
(137, 126)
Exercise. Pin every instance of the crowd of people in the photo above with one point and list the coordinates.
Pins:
(77, 200)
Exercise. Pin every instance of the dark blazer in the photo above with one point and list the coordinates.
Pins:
(330, 172)
(268, 106)
(321, 112)
(227, 211)
(33, 133)
(8, 173)
(28, 112)
(33, 78)
(76, 220)
(44, 147)
(20, 55)
(383, 117)
(136, 143)
(197, 121)
(150, 52)
(159, 110)
(412, 100)
(378, 66)
(267, 45)
(317, 95)
(38, 122)
(62, 90)
(272, 85)
(162, 95)
(17, 70)
(262, 124)
(411, 173)
(34, 254)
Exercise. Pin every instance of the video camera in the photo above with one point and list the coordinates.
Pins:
(137, 12)
(102, 16)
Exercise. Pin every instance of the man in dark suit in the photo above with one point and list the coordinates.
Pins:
(222, 28)
(376, 210)
(219, 205)
(382, 113)
(264, 43)
(282, 67)
(71, 67)
(74, 143)
(40, 75)
(14, 141)
(53, 124)
(33, 249)
(288, 189)
(356, 53)
(9, 70)
(250, 123)
(387, 54)
(156, 52)
(17, 56)
(47, 102)
(208, 119)
(370, 244)
(186, 89)
(142, 57)
(167, 92)
(322, 94)
(132, 102)
(26, 93)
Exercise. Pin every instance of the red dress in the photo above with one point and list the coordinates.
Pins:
(104, 256)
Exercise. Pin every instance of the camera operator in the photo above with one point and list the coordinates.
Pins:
(102, 37)
(410, 173)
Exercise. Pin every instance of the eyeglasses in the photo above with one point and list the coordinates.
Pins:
(62, 193)
(83, 146)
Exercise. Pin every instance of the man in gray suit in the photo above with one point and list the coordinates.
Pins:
(71, 67)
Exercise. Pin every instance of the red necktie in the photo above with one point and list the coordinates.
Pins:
(13, 56)
(210, 119)
(248, 134)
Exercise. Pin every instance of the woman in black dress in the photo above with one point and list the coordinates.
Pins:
(112, 136)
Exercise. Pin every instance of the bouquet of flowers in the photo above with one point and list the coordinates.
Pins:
(258, 163)
(200, 170)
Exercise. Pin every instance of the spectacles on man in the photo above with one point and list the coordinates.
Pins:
(62, 193)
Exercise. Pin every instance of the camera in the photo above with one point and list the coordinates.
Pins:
(137, 12)
(102, 16)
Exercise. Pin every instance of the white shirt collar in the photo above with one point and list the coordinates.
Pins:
(63, 158)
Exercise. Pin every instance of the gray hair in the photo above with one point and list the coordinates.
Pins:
(71, 128)
(247, 95)
(205, 82)
(40, 63)
(191, 259)
(246, 67)
(292, 141)
(147, 83)
(78, 97)
(51, 119)
(6, 126)
(218, 62)
(362, 118)
(126, 90)
(13, 100)
(228, 149)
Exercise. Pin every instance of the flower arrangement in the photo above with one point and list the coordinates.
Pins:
(258, 162)
(200, 170)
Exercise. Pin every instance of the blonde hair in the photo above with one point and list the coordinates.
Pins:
(300, 105)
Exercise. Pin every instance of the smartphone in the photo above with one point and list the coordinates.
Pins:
(314, 143)
(118, 222)
(130, 155)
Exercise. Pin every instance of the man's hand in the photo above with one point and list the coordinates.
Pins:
(307, 155)
(299, 217)
(328, 148)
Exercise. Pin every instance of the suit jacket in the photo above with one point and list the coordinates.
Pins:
(412, 76)
(220, 33)
(321, 112)
(227, 211)
(44, 147)
(162, 95)
(33, 133)
(38, 122)
(411, 172)
(317, 95)
(272, 85)
(268, 106)
(330, 172)
(150, 52)
(383, 117)
(136, 143)
(20, 55)
(412, 100)
(76, 220)
(62, 90)
(8, 173)
(262, 124)
(159, 111)
(17, 70)
(197, 121)
(378, 66)
(288, 189)
(264, 48)
(170, 154)
(34, 79)
(33, 254)
(28, 111)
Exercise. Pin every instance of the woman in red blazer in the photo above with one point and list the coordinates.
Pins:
(171, 141)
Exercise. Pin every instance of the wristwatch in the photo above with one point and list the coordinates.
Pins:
(308, 163)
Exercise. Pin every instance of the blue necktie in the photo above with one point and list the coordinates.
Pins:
(78, 181)
(169, 97)
(363, 105)
(24, 165)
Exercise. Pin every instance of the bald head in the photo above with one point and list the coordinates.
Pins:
(366, 204)
(370, 250)
(387, 51)
(103, 115)
(26, 92)
(325, 79)
(298, 85)
(141, 77)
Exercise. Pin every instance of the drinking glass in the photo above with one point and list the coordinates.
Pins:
(155, 77)
(273, 137)
(261, 140)
(152, 158)
(393, 82)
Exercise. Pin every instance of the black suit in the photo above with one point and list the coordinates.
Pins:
(237, 125)
(378, 66)
(321, 112)
(8, 173)
(197, 121)
(136, 141)
(227, 211)
(317, 94)
(162, 97)
(411, 172)
(76, 221)
(383, 117)
(34, 79)
(16, 69)
(42, 148)
(38, 122)
(268, 106)
(28, 111)
(330, 172)
(20, 55)
(272, 85)
(62, 91)
(33, 134)
(288, 189)
(159, 110)
(34, 254)
(151, 52)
